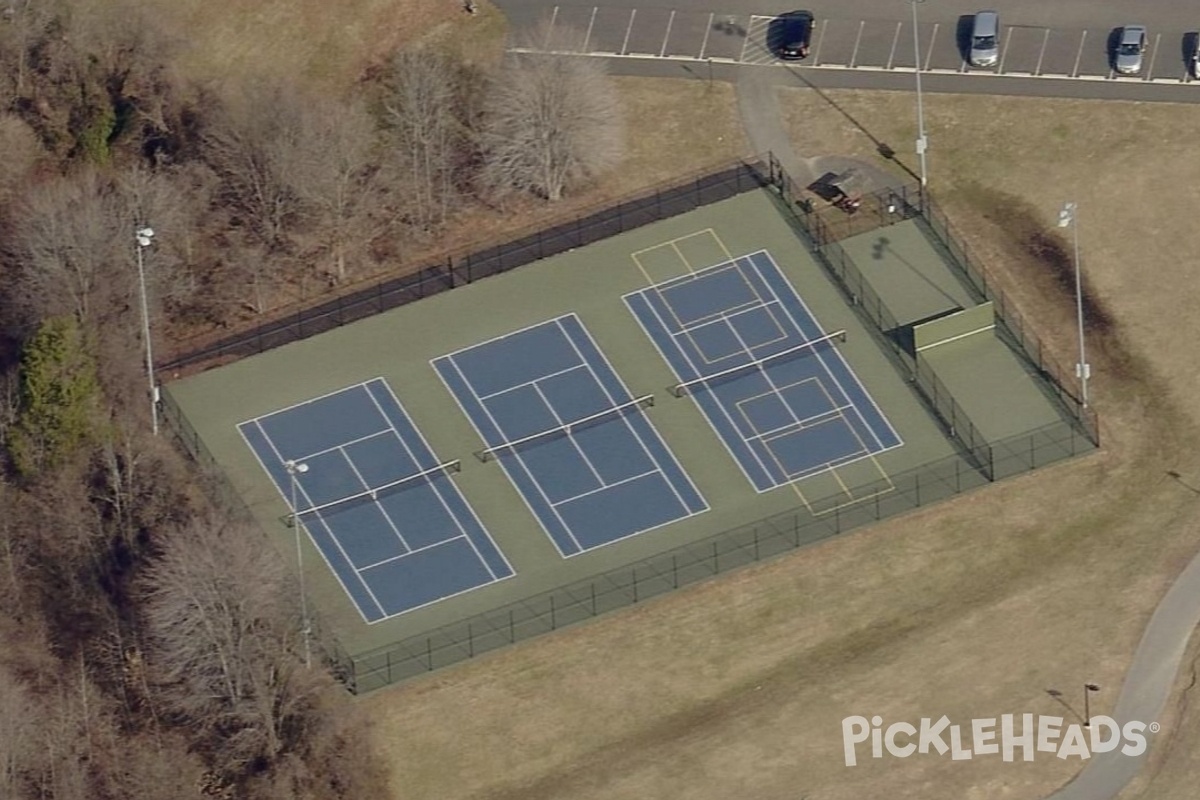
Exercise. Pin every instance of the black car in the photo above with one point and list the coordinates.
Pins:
(791, 34)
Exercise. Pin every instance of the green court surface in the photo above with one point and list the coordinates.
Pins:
(996, 389)
(906, 269)
(399, 345)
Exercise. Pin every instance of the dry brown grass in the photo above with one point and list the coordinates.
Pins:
(975, 608)
(325, 40)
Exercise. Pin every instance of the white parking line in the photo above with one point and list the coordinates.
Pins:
(1004, 52)
(670, 21)
(553, 17)
(820, 38)
(1079, 55)
(1153, 56)
(895, 39)
(707, 31)
(1045, 41)
(588, 36)
(625, 44)
(857, 39)
(929, 51)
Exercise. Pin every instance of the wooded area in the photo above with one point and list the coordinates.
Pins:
(153, 641)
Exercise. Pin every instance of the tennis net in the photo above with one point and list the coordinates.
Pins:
(600, 417)
(371, 495)
(681, 389)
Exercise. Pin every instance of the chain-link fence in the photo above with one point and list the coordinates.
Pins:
(458, 268)
(231, 502)
(978, 463)
(1013, 325)
(648, 578)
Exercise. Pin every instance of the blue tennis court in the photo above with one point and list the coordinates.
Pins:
(770, 381)
(572, 439)
(386, 516)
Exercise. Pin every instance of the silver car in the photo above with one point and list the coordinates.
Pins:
(1130, 49)
(985, 39)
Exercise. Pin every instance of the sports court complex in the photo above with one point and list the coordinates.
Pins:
(500, 455)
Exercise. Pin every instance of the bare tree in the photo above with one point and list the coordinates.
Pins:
(222, 633)
(17, 716)
(423, 113)
(65, 242)
(21, 149)
(328, 165)
(553, 119)
(243, 144)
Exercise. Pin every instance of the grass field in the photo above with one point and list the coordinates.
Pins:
(971, 609)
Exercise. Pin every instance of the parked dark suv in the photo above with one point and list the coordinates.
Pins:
(790, 34)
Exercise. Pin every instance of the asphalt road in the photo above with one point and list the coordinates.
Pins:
(1059, 42)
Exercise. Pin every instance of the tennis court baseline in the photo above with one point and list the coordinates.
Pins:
(574, 442)
(768, 378)
(379, 506)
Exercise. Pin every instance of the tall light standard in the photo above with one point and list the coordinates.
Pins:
(1083, 371)
(922, 141)
(144, 235)
(295, 468)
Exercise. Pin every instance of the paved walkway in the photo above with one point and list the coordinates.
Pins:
(762, 118)
(1156, 661)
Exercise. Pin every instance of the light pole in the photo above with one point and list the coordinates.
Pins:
(144, 235)
(1083, 370)
(922, 141)
(295, 468)
(1088, 688)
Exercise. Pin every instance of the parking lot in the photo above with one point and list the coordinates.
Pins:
(866, 44)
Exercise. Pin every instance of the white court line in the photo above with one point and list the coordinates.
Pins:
(525, 384)
(499, 338)
(800, 425)
(609, 486)
(451, 486)
(981, 329)
(613, 402)
(316, 453)
(367, 486)
(724, 440)
(503, 462)
(562, 423)
(417, 550)
(844, 362)
(417, 462)
(287, 502)
(310, 400)
(325, 525)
